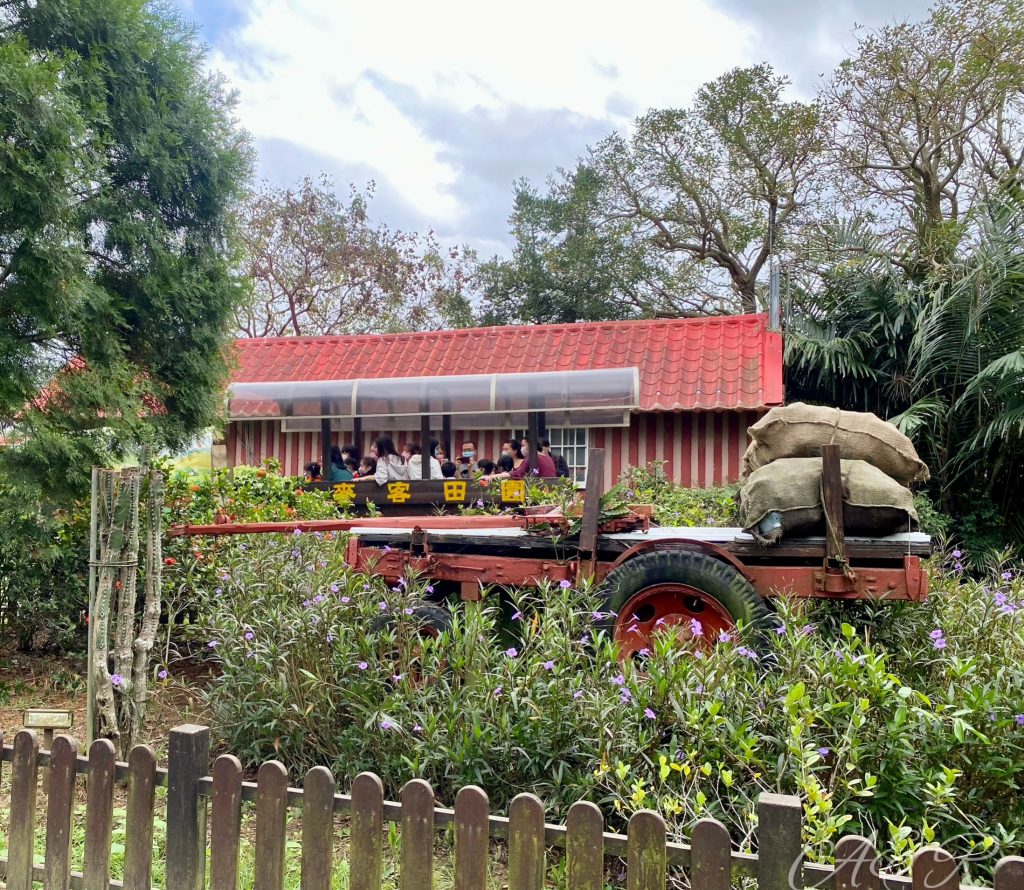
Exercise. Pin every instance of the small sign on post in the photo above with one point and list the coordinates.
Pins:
(48, 720)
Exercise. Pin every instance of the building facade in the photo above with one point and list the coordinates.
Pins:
(683, 395)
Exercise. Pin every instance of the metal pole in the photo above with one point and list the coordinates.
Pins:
(93, 557)
(774, 299)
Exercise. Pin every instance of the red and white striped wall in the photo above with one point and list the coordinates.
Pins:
(698, 449)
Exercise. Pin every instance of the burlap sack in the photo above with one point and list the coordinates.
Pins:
(799, 430)
(873, 503)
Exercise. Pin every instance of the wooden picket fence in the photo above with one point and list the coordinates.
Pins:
(195, 799)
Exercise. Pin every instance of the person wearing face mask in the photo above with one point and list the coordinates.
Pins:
(545, 466)
(467, 461)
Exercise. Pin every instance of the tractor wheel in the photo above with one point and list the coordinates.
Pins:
(430, 620)
(694, 595)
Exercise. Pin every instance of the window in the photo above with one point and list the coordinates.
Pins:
(571, 443)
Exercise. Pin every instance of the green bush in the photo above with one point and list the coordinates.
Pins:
(674, 504)
(44, 571)
(909, 729)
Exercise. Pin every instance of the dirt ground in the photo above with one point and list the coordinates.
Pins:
(28, 681)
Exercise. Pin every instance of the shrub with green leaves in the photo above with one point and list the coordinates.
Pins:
(909, 728)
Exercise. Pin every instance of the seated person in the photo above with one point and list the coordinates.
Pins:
(485, 466)
(313, 474)
(390, 467)
(415, 464)
(560, 465)
(514, 450)
(367, 467)
(339, 472)
(467, 462)
(505, 463)
(447, 470)
(545, 466)
(352, 466)
(348, 450)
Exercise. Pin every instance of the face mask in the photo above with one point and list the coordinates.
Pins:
(468, 454)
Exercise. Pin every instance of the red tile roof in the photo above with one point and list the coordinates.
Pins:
(701, 364)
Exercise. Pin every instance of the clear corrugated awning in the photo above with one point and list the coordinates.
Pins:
(607, 391)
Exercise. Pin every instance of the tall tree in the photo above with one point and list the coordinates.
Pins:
(570, 265)
(317, 264)
(929, 122)
(119, 163)
(722, 184)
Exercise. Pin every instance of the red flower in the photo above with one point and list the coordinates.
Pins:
(170, 561)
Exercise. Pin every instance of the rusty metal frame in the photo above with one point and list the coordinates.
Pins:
(908, 581)
(682, 544)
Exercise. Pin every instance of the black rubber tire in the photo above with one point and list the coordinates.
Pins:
(426, 614)
(711, 576)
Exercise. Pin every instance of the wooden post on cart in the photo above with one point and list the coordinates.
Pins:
(832, 503)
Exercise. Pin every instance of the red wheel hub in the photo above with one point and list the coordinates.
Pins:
(690, 614)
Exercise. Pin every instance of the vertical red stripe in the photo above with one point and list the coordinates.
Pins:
(735, 434)
(652, 438)
(616, 455)
(701, 429)
(634, 441)
(718, 419)
(670, 445)
(686, 446)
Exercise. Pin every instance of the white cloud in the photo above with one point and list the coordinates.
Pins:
(306, 74)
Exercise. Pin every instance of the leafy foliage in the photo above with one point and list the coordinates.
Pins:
(908, 729)
(121, 158)
(318, 265)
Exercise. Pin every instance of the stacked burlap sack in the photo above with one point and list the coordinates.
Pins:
(781, 493)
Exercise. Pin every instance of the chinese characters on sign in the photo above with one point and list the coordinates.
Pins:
(398, 492)
(454, 490)
(513, 490)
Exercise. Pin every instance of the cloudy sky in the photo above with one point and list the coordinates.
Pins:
(444, 105)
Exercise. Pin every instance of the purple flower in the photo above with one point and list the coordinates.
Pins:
(1019, 719)
(940, 643)
(957, 554)
(314, 620)
(430, 588)
(386, 724)
(517, 616)
(296, 554)
(213, 644)
(297, 532)
(696, 628)
(480, 503)
(319, 598)
(937, 634)
(362, 665)
(649, 714)
(386, 549)
(619, 680)
(334, 588)
(823, 752)
(249, 635)
(407, 611)
(117, 680)
(330, 638)
(644, 651)
(999, 598)
(1007, 576)
(747, 653)
(383, 606)
(417, 728)
(498, 690)
(597, 616)
(218, 590)
(511, 652)
(548, 665)
(634, 628)
(625, 696)
(806, 630)
(402, 582)
(660, 622)
(781, 630)
(163, 675)
(565, 584)
(346, 599)
(306, 604)
(578, 694)
(534, 472)
(396, 677)
(724, 637)
(225, 577)
(958, 567)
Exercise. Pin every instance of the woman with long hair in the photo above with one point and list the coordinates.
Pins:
(389, 465)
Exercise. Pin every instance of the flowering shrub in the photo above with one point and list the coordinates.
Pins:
(909, 728)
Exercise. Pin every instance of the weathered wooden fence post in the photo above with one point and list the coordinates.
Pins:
(779, 847)
(188, 756)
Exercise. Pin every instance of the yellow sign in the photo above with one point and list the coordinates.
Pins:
(454, 490)
(398, 492)
(513, 490)
(344, 493)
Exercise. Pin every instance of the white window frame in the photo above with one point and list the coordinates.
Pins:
(576, 453)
